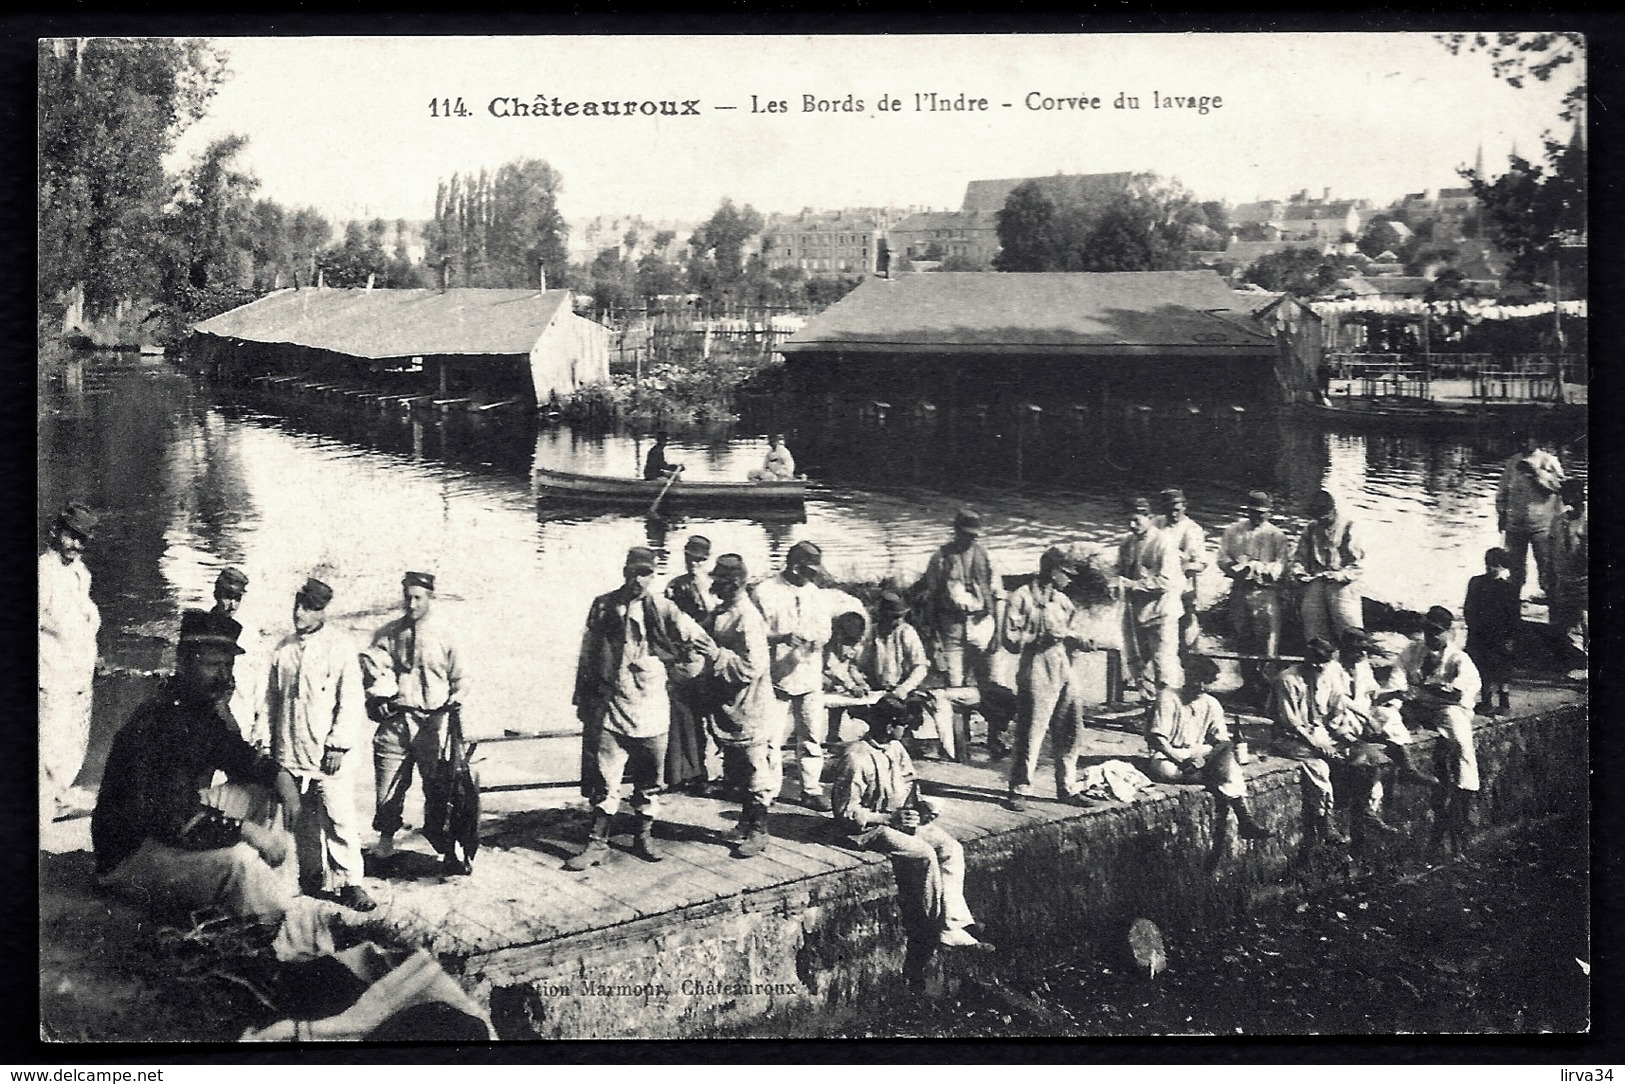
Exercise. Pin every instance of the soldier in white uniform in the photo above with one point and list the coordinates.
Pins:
(68, 622)
(314, 711)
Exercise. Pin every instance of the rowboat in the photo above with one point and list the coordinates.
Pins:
(681, 494)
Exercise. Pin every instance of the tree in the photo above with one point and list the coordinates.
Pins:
(1380, 236)
(1301, 272)
(1533, 209)
(722, 238)
(1516, 57)
(1151, 225)
(108, 111)
(212, 218)
(501, 229)
(1429, 258)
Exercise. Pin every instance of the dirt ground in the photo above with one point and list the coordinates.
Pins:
(1496, 941)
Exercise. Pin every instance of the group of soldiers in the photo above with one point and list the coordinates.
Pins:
(788, 668)
(165, 830)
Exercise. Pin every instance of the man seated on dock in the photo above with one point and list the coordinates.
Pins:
(160, 832)
(878, 806)
(1444, 685)
(1310, 697)
(1190, 743)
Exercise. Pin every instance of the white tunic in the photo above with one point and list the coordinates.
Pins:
(313, 699)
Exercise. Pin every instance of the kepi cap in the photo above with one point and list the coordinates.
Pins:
(640, 559)
(1139, 506)
(202, 628)
(418, 579)
(697, 546)
(730, 566)
(806, 554)
(1439, 618)
(892, 604)
(231, 583)
(315, 595)
(1170, 495)
(968, 519)
(1260, 500)
(77, 517)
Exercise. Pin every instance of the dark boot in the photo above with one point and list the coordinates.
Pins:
(1326, 831)
(742, 828)
(1407, 769)
(644, 845)
(1245, 824)
(597, 848)
(756, 834)
(1461, 818)
(1504, 703)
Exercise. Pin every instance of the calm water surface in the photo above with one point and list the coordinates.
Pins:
(189, 481)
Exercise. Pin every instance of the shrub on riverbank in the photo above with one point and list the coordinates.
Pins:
(698, 393)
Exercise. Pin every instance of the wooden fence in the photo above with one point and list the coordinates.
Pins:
(1529, 377)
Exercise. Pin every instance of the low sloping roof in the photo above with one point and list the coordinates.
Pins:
(991, 195)
(946, 220)
(395, 323)
(1152, 312)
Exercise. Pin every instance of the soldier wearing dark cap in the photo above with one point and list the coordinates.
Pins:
(229, 588)
(1254, 552)
(315, 713)
(961, 595)
(68, 623)
(799, 614)
(1038, 628)
(161, 834)
(632, 635)
(744, 713)
(685, 746)
(430, 678)
(242, 705)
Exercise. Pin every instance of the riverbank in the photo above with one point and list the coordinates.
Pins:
(801, 940)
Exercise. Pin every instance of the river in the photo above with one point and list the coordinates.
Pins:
(190, 479)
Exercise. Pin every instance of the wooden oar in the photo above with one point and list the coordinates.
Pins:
(654, 509)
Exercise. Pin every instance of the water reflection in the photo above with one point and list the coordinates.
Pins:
(188, 484)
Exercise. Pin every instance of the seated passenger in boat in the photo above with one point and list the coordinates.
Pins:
(779, 466)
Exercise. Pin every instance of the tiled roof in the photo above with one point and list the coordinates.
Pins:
(396, 323)
(946, 220)
(1181, 312)
(990, 195)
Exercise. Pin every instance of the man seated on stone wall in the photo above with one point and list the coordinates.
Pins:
(1443, 686)
(162, 835)
(878, 806)
(1190, 743)
(1311, 713)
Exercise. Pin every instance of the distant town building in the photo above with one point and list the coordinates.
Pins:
(825, 243)
(939, 235)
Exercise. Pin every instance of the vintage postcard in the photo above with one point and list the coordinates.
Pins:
(810, 536)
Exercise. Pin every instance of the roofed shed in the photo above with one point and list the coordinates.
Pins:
(465, 342)
(1072, 337)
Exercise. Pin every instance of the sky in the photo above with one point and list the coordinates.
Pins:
(345, 124)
